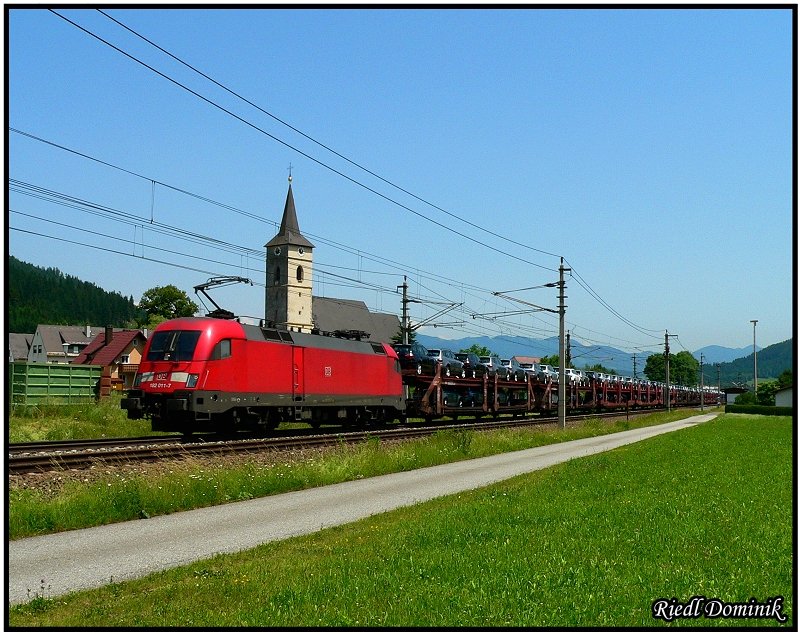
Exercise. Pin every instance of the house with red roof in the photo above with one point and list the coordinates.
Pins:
(119, 349)
(527, 362)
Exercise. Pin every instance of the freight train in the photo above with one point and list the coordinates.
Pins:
(209, 374)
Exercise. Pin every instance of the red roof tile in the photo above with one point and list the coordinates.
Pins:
(98, 353)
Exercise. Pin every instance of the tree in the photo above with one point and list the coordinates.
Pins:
(654, 368)
(683, 368)
(766, 392)
(166, 302)
(551, 360)
(398, 336)
(599, 367)
(786, 378)
(481, 351)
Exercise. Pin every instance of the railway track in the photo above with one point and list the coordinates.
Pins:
(60, 455)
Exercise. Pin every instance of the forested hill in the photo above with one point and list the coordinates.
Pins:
(772, 360)
(46, 296)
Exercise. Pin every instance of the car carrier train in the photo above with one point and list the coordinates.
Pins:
(210, 374)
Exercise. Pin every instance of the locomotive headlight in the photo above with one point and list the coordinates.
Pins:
(191, 380)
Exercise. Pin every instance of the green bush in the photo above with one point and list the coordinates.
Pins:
(764, 410)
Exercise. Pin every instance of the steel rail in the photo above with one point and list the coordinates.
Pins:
(72, 445)
(164, 448)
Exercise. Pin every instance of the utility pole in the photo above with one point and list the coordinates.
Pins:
(568, 357)
(404, 328)
(719, 385)
(634, 367)
(702, 388)
(666, 364)
(755, 360)
(562, 360)
(404, 325)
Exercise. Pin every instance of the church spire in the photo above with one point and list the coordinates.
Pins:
(289, 232)
(288, 300)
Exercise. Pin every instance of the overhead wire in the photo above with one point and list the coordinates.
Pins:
(290, 146)
(499, 324)
(320, 144)
(581, 282)
(399, 266)
(602, 302)
(346, 248)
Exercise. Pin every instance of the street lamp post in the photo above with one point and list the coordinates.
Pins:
(755, 359)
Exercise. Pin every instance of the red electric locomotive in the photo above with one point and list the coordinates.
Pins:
(202, 373)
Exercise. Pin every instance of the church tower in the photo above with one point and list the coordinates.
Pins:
(289, 269)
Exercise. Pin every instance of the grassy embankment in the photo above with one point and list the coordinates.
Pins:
(120, 496)
(104, 419)
(591, 543)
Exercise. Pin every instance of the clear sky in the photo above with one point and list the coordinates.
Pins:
(651, 148)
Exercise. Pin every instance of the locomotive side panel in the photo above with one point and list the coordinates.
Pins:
(357, 376)
(266, 368)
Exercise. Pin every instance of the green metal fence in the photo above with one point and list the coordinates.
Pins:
(35, 383)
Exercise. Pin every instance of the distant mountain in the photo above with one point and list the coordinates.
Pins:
(582, 355)
(720, 354)
(772, 360)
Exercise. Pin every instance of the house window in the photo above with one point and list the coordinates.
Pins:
(125, 359)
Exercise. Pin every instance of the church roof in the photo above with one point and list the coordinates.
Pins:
(290, 231)
(332, 314)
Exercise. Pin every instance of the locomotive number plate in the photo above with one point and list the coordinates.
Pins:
(328, 370)
(161, 376)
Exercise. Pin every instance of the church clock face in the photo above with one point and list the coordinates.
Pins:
(301, 250)
(277, 251)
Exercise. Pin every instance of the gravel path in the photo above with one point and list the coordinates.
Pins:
(92, 557)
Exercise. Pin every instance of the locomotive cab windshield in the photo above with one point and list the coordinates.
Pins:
(173, 345)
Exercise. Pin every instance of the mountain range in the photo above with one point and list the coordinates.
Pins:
(735, 363)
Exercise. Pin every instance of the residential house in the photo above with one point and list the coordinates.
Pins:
(783, 397)
(60, 344)
(527, 362)
(732, 392)
(119, 349)
(19, 346)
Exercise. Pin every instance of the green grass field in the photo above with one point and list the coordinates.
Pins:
(591, 543)
(120, 496)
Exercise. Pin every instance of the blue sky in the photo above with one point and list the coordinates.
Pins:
(652, 149)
